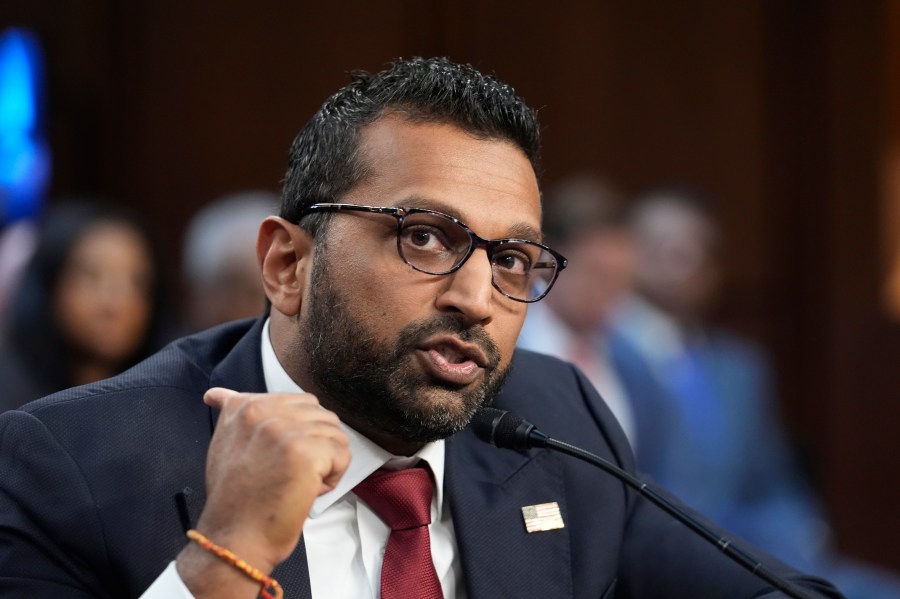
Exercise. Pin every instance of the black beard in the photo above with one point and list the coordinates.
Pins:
(375, 386)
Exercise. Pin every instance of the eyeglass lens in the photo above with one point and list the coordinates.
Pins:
(434, 244)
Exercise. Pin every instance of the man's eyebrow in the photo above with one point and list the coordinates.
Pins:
(526, 232)
(516, 231)
(431, 204)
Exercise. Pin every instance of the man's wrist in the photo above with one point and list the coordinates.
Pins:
(207, 575)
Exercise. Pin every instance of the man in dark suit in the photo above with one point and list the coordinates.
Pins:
(391, 323)
(743, 475)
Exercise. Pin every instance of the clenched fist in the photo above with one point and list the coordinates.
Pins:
(271, 455)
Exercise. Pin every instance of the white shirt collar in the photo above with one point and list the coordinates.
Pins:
(367, 457)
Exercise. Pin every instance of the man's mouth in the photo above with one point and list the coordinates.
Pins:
(453, 361)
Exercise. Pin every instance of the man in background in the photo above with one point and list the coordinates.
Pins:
(219, 265)
(584, 218)
(718, 440)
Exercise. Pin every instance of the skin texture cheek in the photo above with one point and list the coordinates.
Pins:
(380, 284)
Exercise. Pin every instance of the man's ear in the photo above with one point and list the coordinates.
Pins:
(284, 251)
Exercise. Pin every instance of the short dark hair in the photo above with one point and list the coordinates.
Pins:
(325, 161)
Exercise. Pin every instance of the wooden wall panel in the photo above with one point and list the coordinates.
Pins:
(865, 396)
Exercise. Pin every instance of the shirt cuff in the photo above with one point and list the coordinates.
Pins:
(168, 586)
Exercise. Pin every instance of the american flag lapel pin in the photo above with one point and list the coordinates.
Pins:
(543, 516)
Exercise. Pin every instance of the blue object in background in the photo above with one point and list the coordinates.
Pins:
(24, 154)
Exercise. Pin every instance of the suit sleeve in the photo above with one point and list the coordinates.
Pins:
(775, 504)
(51, 541)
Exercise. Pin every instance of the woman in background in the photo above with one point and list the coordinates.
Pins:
(89, 303)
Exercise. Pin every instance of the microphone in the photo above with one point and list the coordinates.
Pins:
(509, 431)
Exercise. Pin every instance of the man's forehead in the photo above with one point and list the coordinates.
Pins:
(442, 167)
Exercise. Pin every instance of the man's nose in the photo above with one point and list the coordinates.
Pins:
(469, 290)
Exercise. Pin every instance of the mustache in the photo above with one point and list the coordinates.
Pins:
(418, 331)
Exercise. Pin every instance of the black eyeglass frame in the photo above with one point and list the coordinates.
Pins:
(475, 241)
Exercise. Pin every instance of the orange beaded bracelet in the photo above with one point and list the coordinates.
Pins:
(269, 587)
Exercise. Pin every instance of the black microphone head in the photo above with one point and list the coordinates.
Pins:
(505, 429)
(485, 422)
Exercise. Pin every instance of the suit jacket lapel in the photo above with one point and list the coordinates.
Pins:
(241, 369)
(487, 488)
(293, 574)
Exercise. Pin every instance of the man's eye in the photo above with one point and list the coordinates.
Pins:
(513, 262)
(424, 238)
(420, 238)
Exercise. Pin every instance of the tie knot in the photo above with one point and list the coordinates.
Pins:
(402, 498)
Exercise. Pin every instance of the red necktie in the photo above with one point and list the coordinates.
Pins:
(402, 498)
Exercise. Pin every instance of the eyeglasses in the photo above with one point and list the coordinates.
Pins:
(438, 244)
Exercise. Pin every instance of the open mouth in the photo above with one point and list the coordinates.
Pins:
(453, 361)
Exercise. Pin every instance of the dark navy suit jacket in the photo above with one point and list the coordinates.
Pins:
(99, 483)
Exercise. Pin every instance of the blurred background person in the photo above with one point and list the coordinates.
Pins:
(718, 441)
(583, 219)
(88, 305)
(220, 271)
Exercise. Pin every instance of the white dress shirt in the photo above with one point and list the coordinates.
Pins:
(345, 540)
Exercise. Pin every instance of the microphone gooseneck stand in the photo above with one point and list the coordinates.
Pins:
(506, 430)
